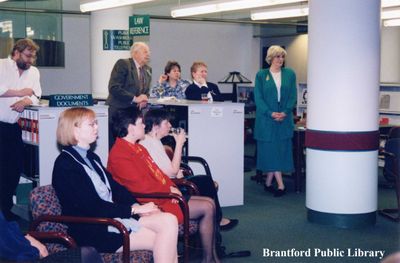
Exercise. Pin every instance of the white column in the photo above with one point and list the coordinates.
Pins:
(102, 61)
(343, 91)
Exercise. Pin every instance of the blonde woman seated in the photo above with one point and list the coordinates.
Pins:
(131, 165)
(85, 188)
(157, 127)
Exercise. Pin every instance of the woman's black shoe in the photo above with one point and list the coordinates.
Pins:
(279, 192)
(232, 223)
(269, 189)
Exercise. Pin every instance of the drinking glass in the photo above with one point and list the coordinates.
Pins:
(204, 97)
(160, 92)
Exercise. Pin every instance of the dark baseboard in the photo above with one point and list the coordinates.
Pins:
(342, 220)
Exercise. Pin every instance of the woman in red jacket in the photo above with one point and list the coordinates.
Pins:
(131, 165)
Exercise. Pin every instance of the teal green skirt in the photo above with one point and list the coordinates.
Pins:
(275, 156)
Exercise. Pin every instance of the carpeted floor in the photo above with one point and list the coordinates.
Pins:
(281, 224)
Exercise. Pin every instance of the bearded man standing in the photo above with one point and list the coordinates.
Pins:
(19, 87)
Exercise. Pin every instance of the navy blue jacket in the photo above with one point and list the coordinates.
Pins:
(78, 197)
(193, 92)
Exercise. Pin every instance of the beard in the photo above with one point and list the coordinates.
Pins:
(22, 64)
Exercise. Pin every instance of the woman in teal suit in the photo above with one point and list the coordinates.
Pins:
(275, 94)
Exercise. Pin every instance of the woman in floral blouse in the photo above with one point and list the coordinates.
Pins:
(170, 83)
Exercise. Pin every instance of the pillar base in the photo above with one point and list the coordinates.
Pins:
(342, 220)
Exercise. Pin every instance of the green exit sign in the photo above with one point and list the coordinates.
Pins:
(139, 25)
(116, 40)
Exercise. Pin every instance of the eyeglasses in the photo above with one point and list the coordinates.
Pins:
(29, 56)
(93, 123)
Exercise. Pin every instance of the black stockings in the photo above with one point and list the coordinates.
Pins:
(203, 209)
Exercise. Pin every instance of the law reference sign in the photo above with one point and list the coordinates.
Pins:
(139, 25)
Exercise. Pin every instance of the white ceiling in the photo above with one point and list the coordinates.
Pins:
(163, 8)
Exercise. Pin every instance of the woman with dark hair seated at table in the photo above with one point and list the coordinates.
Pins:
(85, 188)
(157, 127)
(170, 83)
(131, 165)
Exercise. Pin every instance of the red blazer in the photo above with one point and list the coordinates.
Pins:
(131, 166)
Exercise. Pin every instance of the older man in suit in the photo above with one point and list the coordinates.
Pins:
(129, 83)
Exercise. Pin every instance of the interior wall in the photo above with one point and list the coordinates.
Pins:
(75, 76)
(223, 47)
(390, 55)
(297, 54)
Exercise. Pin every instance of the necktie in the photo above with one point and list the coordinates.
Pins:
(141, 78)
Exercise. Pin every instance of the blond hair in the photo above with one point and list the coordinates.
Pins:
(196, 65)
(274, 51)
(69, 119)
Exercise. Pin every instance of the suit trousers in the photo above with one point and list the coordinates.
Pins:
(11, 163)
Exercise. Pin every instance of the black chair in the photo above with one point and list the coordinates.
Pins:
(46, 214)
(392, 168)
(393, 133)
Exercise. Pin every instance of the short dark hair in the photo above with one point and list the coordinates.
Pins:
(122, 119)
(170, 65)
(155, 117)
(23, 44)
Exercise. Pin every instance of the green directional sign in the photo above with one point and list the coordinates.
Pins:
(139, 25)
(116, 40)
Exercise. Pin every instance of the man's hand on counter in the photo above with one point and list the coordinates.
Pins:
(21, 104)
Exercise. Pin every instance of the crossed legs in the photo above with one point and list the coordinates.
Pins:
(203, 209)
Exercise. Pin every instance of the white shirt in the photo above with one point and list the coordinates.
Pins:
(200, 85)
(10, 79)
(277, 78)
(137, 68)
(158, 154)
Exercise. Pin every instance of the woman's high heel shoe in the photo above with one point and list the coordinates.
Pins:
(279, 192)
(269, 189)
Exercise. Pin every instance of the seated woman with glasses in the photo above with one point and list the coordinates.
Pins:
(86, 188)
(131, 165)
(157, 127)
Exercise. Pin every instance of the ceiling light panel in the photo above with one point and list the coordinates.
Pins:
(390, 13)
(392, 22)
(276, 13)
(87, 6)
(221, 6)
(389, 3)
